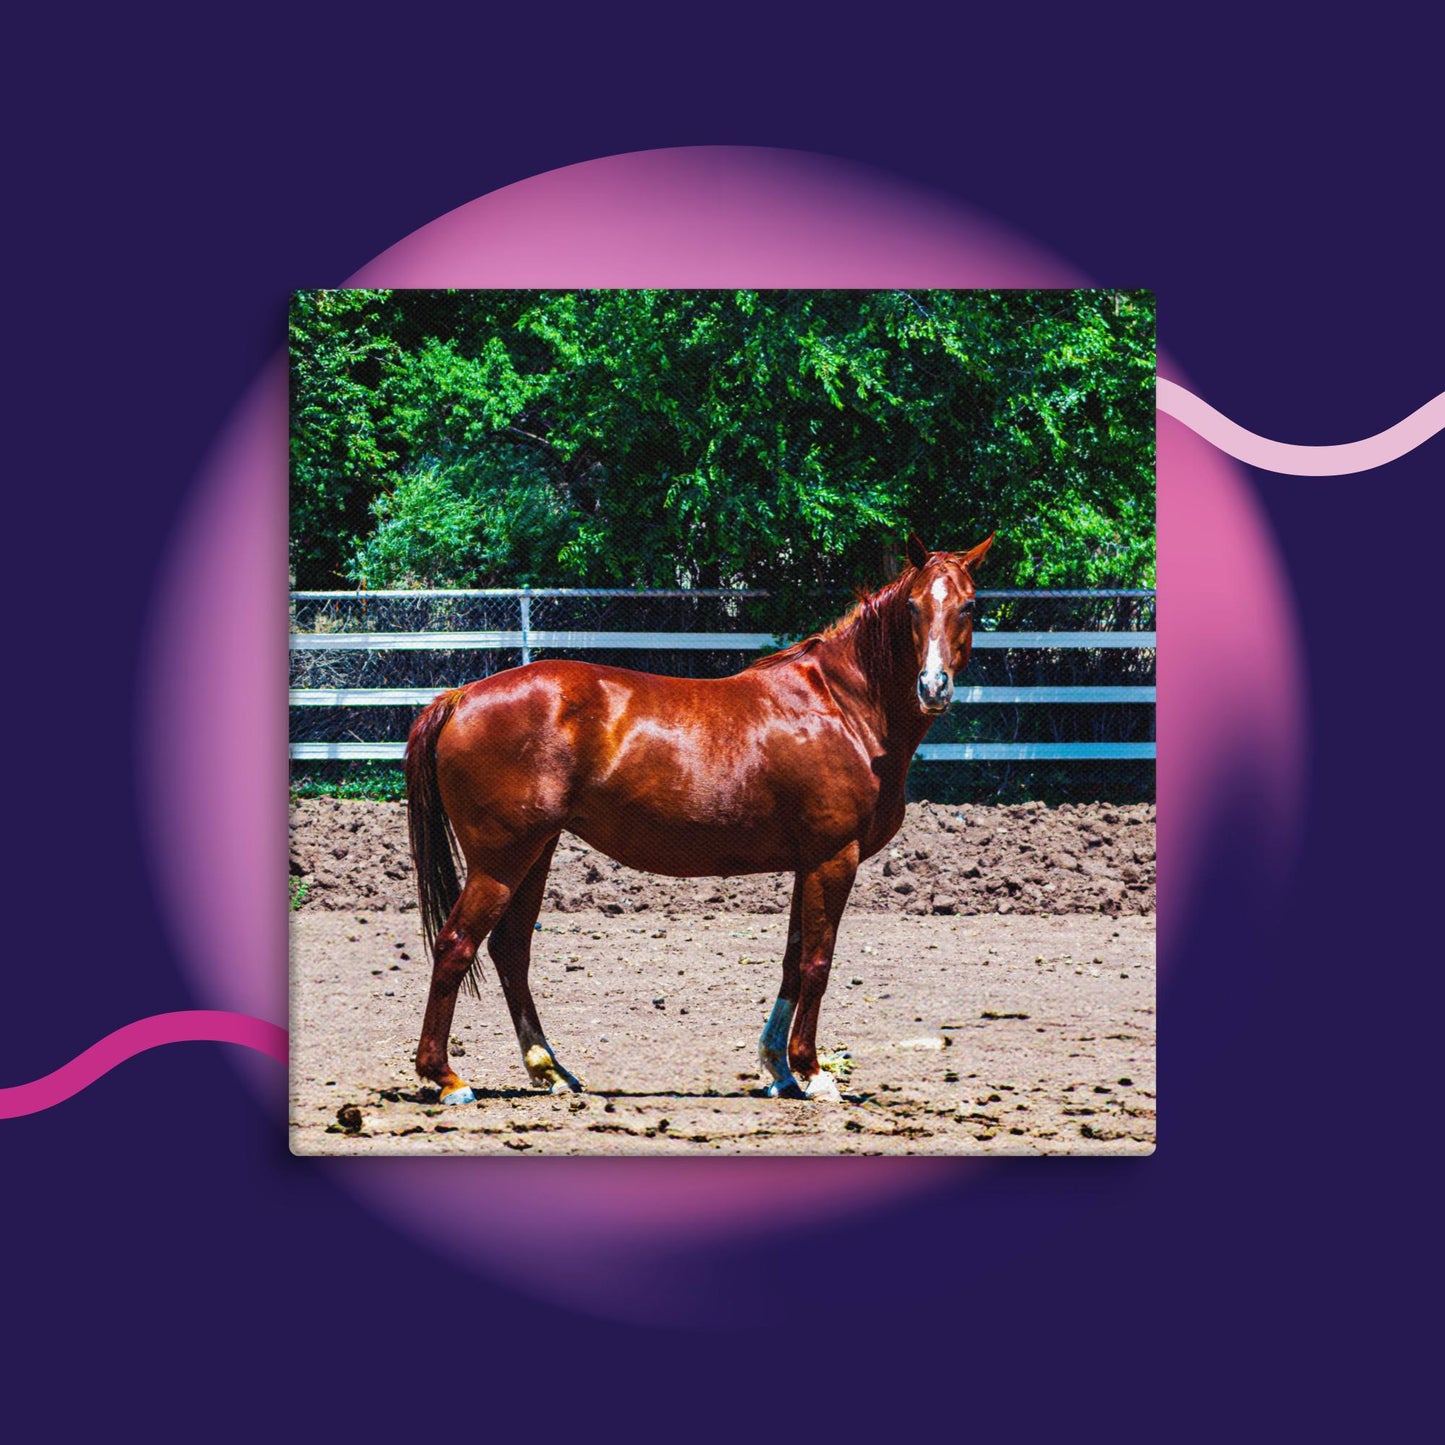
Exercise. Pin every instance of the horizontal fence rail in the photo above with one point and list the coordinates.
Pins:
(928, 752)
(420, 696)
(525, 640)
(648, 641)
(347, 752)
(1007, 752)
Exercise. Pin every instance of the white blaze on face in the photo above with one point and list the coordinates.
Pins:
(933, 659)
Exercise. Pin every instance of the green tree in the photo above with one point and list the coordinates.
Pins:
(660, 438)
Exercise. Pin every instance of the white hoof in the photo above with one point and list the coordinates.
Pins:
(823, 1086)
(463, 1095)
(567, 1085)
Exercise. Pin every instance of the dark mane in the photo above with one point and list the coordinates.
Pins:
(873, 622)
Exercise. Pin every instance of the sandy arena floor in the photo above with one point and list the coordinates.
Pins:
(981, 1034)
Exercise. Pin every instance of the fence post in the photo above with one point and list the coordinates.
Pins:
(526, 609)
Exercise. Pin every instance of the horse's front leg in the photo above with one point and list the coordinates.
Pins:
(773, 1046)
(819, 898)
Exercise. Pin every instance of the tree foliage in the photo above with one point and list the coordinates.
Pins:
(782, 440)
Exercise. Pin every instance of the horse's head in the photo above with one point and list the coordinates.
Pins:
(940, 608)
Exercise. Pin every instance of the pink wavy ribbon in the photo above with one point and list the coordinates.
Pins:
(185, 1026)
(1300, 461)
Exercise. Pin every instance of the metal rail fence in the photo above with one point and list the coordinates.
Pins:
(362, 663)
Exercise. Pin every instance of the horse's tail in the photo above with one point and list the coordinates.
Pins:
(432, 850)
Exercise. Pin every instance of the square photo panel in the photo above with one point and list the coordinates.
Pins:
(722, 723)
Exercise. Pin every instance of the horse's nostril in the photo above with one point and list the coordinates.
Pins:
(935, 687)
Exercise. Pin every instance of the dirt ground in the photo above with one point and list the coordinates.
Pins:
(946, 859)
(1002, 1003)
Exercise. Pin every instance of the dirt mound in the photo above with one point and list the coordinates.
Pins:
(949, 859)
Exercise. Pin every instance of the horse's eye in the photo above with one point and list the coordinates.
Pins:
(913, 606)
(967, 608)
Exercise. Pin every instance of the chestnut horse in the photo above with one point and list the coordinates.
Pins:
(797, 764)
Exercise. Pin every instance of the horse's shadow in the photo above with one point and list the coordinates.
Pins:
(432, 1097)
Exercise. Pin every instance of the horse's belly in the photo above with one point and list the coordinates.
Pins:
(683, 849)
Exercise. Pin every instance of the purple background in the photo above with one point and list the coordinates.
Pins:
(166, 1259)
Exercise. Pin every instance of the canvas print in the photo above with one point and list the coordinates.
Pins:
(722, 722)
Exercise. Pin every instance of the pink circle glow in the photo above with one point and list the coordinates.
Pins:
(214, 766)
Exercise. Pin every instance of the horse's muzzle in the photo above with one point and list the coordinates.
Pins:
(935, 691)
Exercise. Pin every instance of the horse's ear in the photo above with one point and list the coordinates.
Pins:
(917, 552)
(973, 558)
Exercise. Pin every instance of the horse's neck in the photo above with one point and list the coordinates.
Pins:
(886, 705)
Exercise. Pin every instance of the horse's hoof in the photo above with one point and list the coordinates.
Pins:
(463, 1095)
(823, 1086)
(788, 1088)
(546, 1073)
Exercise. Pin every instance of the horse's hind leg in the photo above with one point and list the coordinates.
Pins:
(483, 901)
(510, 945)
